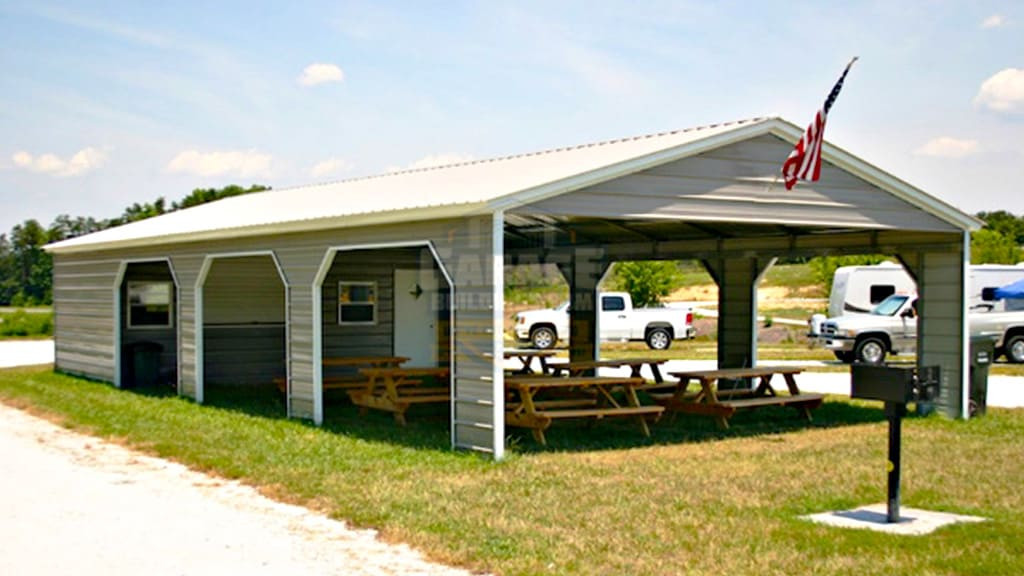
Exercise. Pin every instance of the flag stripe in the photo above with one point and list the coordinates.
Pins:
(804, 162)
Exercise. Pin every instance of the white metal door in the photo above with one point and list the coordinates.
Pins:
(614, 318)
(415, 325)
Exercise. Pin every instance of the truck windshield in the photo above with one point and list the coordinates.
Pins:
(890, 306)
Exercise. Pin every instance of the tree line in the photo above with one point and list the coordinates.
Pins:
(26, 270)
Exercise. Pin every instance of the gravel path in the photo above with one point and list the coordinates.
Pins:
(73, 504)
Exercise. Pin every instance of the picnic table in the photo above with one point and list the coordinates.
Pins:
(526, 356)
(722, 404)
(352, 378)
(396, 389)
(635, 364)
(579, 397)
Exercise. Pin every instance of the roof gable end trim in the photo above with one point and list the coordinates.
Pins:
(884, 180)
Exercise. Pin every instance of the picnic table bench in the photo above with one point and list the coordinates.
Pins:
(591, 397)
(722, 404)
(396, 389)
(635, 364)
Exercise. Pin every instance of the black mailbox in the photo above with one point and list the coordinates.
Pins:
(897, 384)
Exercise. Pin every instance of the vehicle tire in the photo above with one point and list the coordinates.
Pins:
(543, 338)
(843, 356)
(870, 350)
(1014, 349)
(658, 339)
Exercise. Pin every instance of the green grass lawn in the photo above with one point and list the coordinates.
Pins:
(597, 500)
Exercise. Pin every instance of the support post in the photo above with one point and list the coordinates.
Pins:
(895, 411)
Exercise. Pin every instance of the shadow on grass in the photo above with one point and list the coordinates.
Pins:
(428, 426)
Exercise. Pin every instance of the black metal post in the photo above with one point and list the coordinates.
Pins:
(895, 411)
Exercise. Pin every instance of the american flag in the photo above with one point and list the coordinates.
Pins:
(804, 162)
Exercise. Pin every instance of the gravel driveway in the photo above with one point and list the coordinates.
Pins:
(73, 504)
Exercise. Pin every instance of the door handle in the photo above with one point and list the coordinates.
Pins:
(622, 315)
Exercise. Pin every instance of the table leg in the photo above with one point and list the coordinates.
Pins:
(764, 387)
(790, 379)
(543, 364)
(633, 401)
(656, 371)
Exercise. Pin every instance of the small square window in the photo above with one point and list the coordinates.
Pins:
(149, 304)
(357, 302)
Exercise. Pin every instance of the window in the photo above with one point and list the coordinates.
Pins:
(149, 304)
(357, 302)
(613, 303)
(880, 292)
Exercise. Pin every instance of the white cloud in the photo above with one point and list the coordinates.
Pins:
(946, 147)
(320, 73)
(994, 21)
(81, 162)
(329, 167)
(242, 163)
(1003, 92)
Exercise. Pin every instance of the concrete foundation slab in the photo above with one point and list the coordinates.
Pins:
(913, 522)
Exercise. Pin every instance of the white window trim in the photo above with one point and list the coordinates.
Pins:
(376, 296)
(170, 305)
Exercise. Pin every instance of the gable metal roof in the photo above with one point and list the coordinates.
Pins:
(468, 188)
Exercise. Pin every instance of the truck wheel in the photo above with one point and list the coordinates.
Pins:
(870, 350)
(543, 337)
(844, 357)
(1015, 349)
(658, 339)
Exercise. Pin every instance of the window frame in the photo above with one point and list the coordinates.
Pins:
(342, 284)
(131, 286)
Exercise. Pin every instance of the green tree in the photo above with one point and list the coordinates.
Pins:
(824, 267)
(204, 195)
(32, 266)
(646, 281)
(1005, 223)
(8, 277)
(992, 247)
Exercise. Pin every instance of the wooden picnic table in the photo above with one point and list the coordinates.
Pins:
(526, 356)
(351, 379)
(396, 389)
(635, 364)
(580, 397)
(722, 404)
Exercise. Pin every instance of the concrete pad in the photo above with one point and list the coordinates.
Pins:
(913, 522)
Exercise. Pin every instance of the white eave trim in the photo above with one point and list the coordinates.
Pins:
(334, 222)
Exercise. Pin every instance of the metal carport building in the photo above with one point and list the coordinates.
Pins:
(705, 193)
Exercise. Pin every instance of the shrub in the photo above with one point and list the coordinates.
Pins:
(21, 323)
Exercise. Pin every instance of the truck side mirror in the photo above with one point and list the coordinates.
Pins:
(908, 313)
(988, 294)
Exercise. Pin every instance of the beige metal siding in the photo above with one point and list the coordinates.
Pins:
(84, 309)
(187, 267)
(738, 183)
(941, 322)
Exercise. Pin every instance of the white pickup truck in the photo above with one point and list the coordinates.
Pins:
(891, 328)
(618, 321)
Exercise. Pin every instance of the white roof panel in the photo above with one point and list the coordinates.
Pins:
(446, 191)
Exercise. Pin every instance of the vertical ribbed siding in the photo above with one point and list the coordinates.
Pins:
(85, 315)
(187, 268)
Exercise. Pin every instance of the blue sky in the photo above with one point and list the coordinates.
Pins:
(107, 103)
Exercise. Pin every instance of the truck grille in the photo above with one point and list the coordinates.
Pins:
(828, 329)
